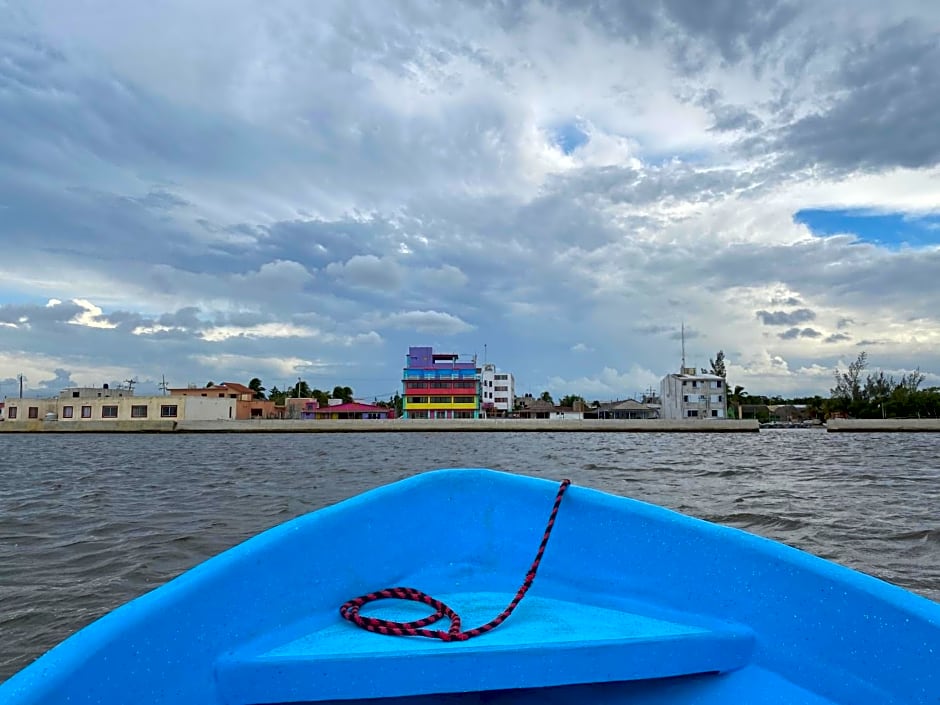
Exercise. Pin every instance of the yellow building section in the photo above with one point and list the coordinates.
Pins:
(441, 407)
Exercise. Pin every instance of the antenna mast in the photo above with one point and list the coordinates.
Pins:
(683, 347)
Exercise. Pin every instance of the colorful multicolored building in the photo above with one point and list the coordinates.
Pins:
(440, 386)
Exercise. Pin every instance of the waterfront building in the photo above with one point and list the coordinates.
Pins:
(497, 391)
(246, 406)
(626, 409)
(693, 395)
(128, 407)
(351, 410)
(440, 386)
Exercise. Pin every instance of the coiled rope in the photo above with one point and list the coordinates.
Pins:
(350, 609)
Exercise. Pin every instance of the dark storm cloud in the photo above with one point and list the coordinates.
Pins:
(884, 107)
(785, 318)
(40, 315)
(793, 333)
(734, 28)
(785, 301)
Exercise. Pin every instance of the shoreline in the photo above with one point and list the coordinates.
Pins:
(388, 426)
(459, 426)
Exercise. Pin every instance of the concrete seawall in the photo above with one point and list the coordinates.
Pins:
(392, 426)
(39, 426)
(883, 425)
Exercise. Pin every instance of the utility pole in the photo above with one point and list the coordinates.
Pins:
(21, 385)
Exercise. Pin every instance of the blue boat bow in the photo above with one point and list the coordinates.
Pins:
(632, 603)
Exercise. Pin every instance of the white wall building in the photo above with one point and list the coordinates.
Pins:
(692, 395)
(102, 391)
(497, 391)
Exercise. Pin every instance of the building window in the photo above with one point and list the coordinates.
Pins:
(11, 412)
(718, 384)
(67, 412)
(691, 412)
(33, 412)
(463, 400)
(502, 389)
(109, 412)
(138, 411)
(75, 395)
(222, 395)
(168, 411)
(463, 414)
(86, 412)
(418, 414)
(714, 412)
(417, 400)
(685, 398)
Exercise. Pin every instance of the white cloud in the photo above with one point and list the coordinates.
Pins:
(367, 271)
(92, 316)
(427, 322)
(608, 384)
(263, 330)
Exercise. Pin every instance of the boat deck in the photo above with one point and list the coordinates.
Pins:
(546, 642)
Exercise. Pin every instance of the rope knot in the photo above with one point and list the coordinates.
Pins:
(350, 609)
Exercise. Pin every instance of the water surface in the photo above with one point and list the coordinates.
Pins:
(90, 521)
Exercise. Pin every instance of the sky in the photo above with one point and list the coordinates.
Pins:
(227, 189)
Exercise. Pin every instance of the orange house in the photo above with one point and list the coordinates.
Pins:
(246, 406)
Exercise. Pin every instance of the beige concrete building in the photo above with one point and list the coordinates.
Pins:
(88, 409)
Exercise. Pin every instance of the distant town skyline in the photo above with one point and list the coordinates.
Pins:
(221, 190)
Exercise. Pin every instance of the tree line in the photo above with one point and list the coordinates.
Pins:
(302, 390)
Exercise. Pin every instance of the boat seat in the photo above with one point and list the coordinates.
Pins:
(546, 642)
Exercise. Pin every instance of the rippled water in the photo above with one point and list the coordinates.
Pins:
(88, 522)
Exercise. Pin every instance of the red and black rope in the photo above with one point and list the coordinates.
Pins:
(350, 609)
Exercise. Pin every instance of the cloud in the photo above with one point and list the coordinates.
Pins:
(785, 318)
(233, 193)
(609, 383)
(367, 271)
(882, 102)
(793, 333)
(428, 322)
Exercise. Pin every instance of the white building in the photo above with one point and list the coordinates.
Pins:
(497, 391)
(692, 395)
(104, 391)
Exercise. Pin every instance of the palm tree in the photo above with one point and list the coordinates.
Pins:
(737, 398)
(256, 386)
